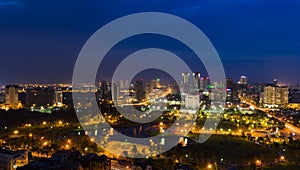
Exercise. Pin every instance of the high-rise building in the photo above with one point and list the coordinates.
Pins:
(149, 86)
(242, 86)
(58, 97)
(204, 82)
(140, 93)
(196, 80)
(116, 91)
(12, 96)
(40, 96)
(104, 91)
(231, 92)
(2, 98)
(243, 80)
(275, 96)
(294, 95)
(254, 92)
(185, 78)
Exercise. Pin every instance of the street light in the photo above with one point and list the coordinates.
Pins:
(258, 162)
(209, 166)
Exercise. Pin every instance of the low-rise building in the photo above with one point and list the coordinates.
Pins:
(10, 160)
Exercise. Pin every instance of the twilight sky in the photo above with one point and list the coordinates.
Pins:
(40, 40)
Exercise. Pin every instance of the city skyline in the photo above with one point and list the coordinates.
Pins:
(142, 85)
(253, 38)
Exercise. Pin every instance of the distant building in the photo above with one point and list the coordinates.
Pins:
(40, 96)
(275, 82)
(196, 80)
(204, 83)
(140, 93)
(175, 88)
(231, 92)
(191, 101)
(2, 98)
(68, 99)
(275, 96)
(71, 160)
(242, 85)
(10, 160)
(185, 78)
(58, 97)
(255, 92)
(12, 96)
(294, 95)
(243, 80)
(104, 91)
(2, 93)
(148, 88)
(116, 91)
(156, 83)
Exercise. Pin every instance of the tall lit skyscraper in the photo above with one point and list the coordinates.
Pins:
(243, 80)
(196, 80)
(231, 92)
(243, 85)
(104, 90)
(185, 78)
(275, 96)
(12, 96)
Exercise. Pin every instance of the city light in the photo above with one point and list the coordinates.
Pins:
(209, 166)
(242, 126)
(258, 162)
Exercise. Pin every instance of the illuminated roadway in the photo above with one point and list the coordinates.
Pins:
(289, 128)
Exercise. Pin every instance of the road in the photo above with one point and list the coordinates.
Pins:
(289, 128)
(116, 166)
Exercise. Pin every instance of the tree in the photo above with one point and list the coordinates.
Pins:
(276, 145)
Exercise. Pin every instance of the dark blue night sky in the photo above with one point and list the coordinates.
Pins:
(40, 40)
